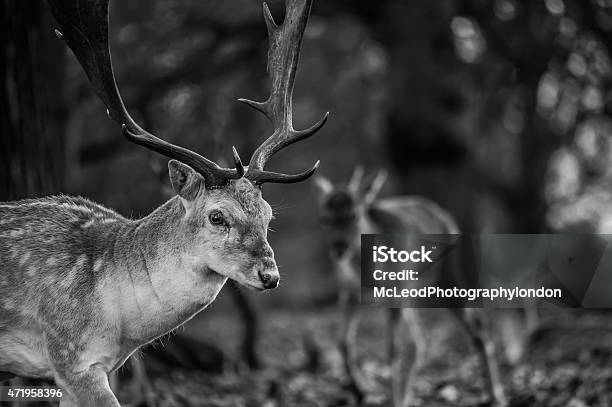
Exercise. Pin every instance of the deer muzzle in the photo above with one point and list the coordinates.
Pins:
(268, 274)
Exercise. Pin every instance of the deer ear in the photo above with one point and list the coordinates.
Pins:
(372, 187)
(355, 182)
(185, 181)
(322, 186)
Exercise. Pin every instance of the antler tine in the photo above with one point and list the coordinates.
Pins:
(283, 56)
(279, 178)
(84, 27)
(238, 162)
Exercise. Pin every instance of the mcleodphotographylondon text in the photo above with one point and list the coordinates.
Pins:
(470, 294)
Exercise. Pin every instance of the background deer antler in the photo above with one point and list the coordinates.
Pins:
(283, 56)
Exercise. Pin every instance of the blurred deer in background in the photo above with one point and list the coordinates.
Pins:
(346, 212)
(82, 288)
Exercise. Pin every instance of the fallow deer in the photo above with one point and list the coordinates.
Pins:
(346, 212)
(82, 288)
(183, 352)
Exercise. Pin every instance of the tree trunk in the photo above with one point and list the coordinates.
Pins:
(31, 123)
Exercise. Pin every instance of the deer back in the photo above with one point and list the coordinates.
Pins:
(410, 214)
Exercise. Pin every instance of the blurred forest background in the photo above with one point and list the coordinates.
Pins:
(500, 110)
(497, 109)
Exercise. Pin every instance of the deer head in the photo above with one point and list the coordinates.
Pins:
(344, 210)
(225, 219)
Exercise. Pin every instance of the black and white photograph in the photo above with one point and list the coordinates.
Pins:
(306, 203)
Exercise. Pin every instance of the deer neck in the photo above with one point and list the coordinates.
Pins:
(158, 286)
(350, 264)
(366, 225)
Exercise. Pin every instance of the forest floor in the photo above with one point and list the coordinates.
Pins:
(570, 365)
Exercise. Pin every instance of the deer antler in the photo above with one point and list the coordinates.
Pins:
(84, 25)
(283, 56)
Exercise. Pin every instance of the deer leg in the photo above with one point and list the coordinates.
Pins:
(392, 325)
(15, 382)
(348, 330)
(250, 322)
(138, 386)
(512, 332)
(477, 324)
(87, 388)
(532, 317)
(141, 386)
(410, 360)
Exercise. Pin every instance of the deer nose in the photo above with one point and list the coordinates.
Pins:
(269, 278)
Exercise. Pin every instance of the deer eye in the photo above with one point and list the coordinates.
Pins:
(216, 218)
